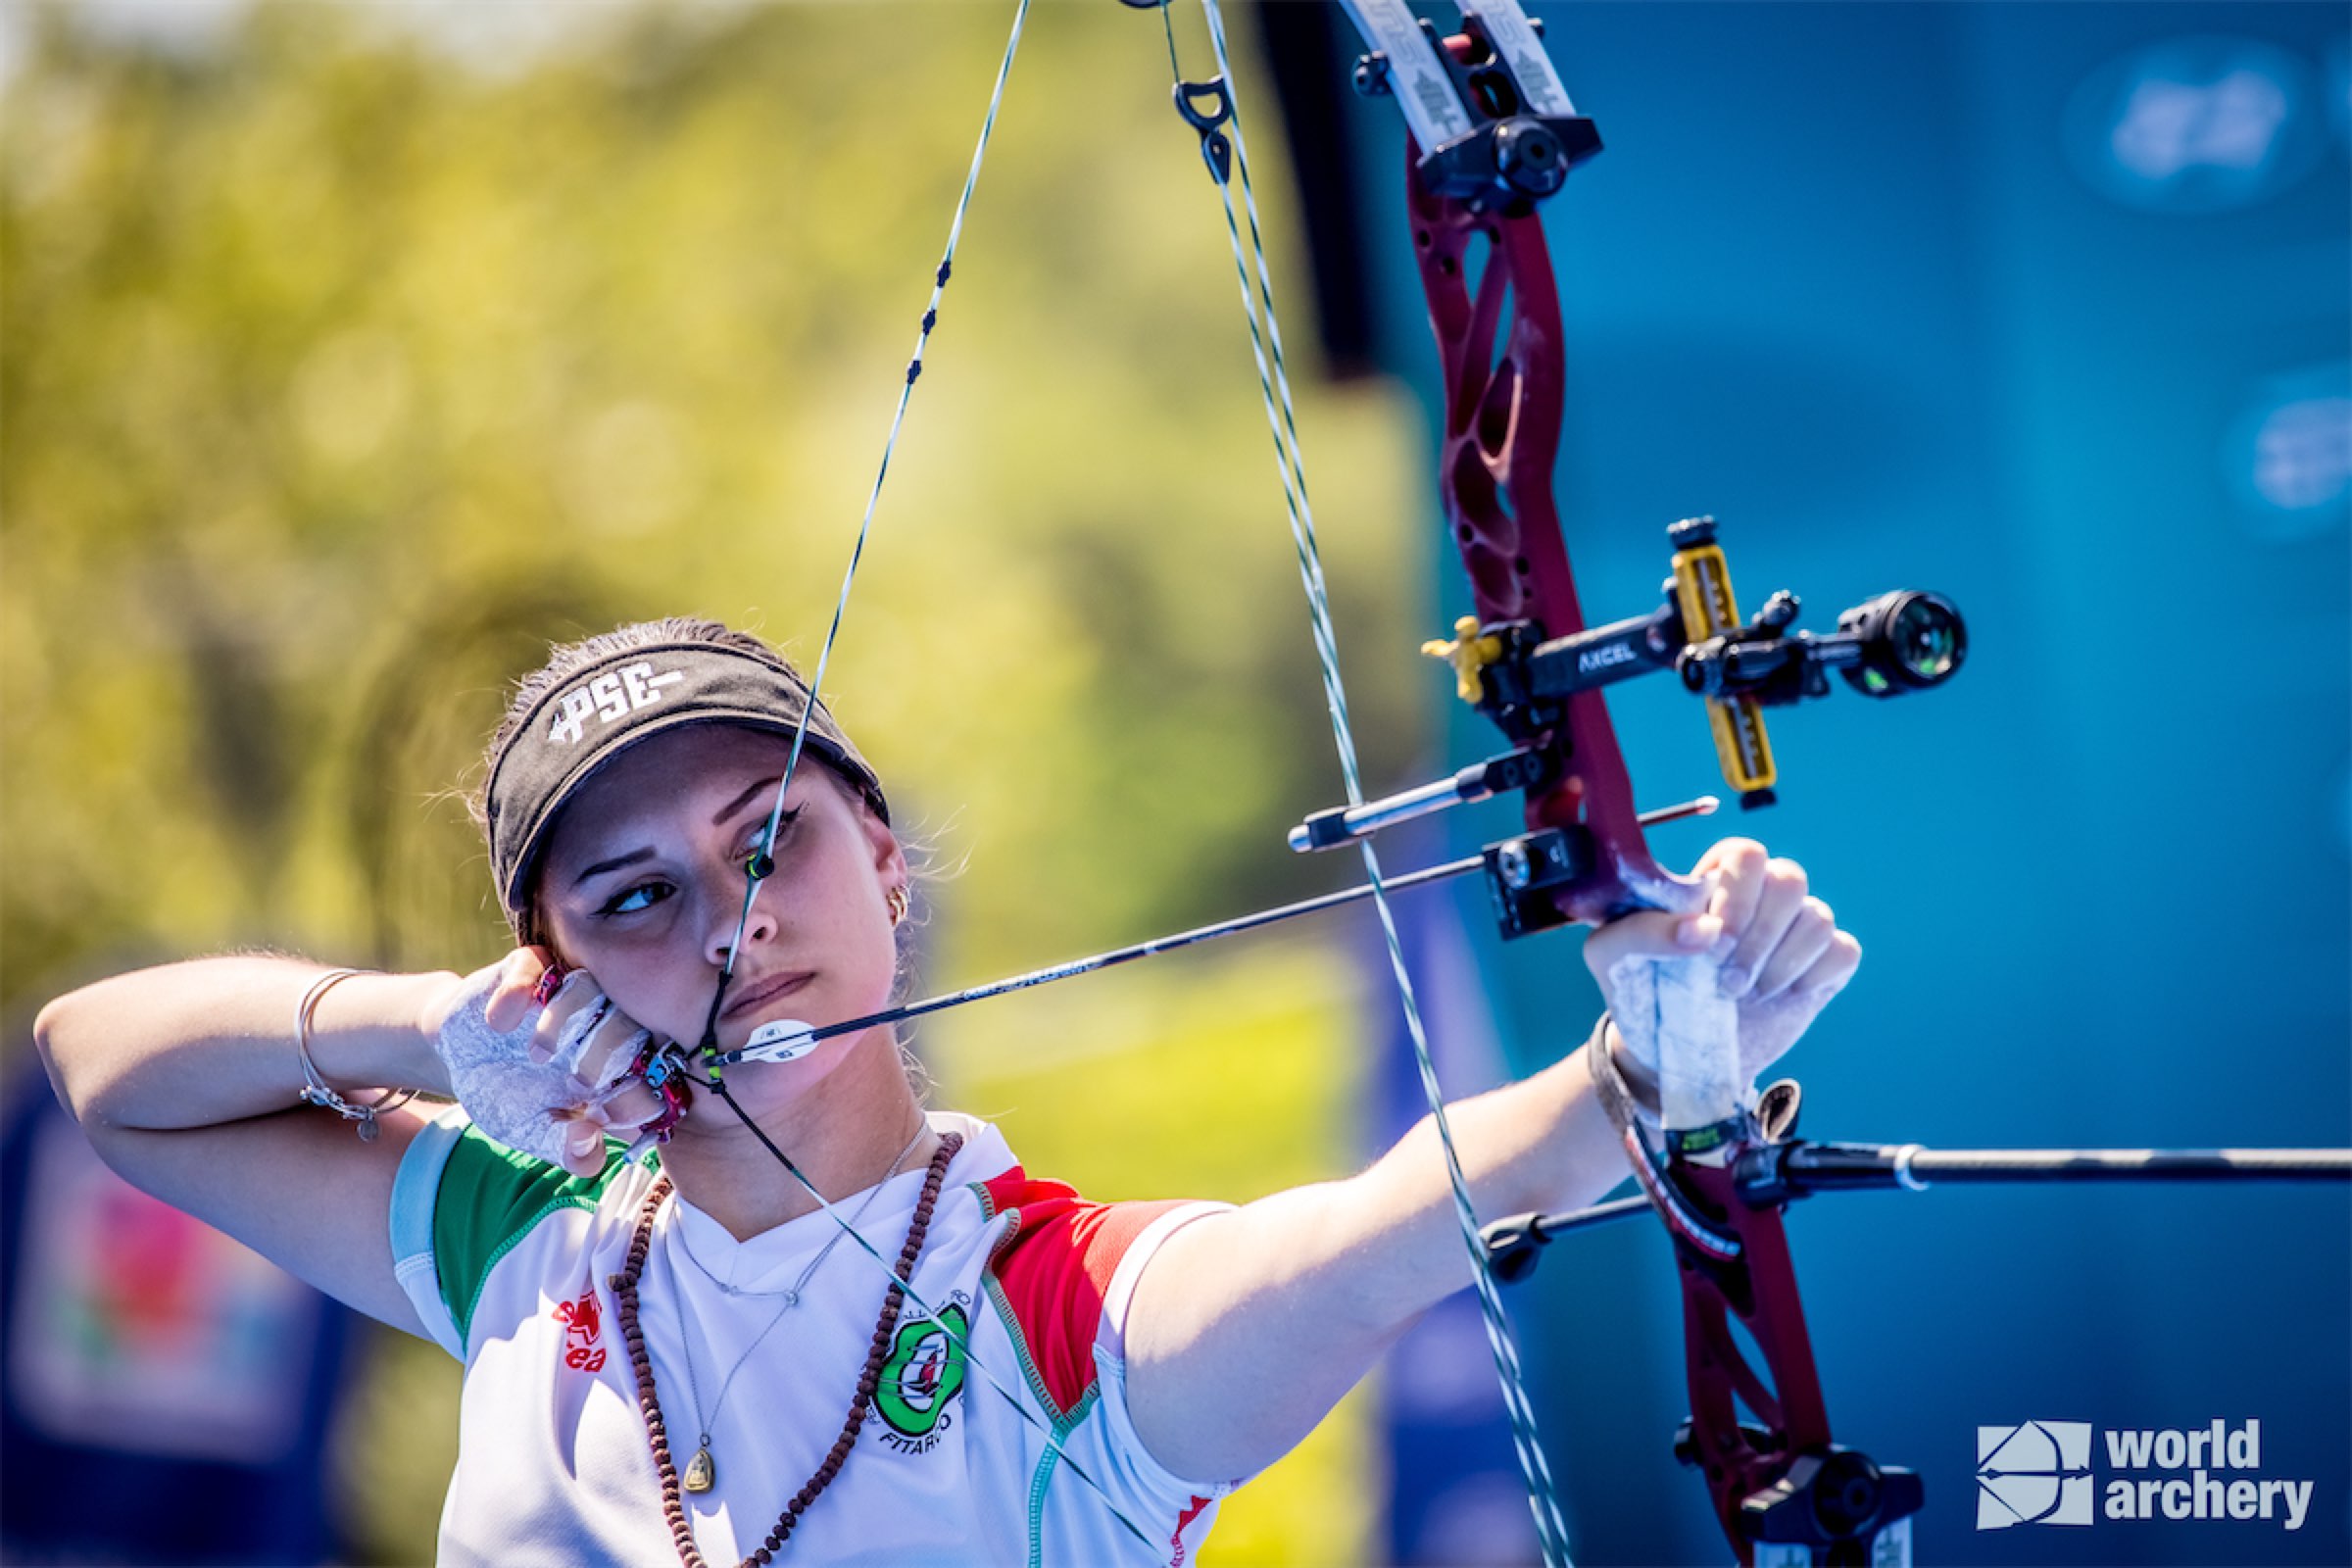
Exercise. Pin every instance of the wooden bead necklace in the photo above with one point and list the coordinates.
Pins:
(673, 1500)
(702, 1472)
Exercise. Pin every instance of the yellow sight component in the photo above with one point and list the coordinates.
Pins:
(1703, 586)
(1469, 654)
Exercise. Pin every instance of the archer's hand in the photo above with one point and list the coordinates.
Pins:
(549, 1078)
(1777, 949)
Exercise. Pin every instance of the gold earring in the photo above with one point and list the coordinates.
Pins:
(897, 900)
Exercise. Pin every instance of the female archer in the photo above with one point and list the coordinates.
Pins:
(913, 1352)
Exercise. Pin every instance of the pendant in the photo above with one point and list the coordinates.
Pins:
(702, 1472)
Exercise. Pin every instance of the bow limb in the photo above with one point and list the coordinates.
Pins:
(1780, 1489)
(1499, 346)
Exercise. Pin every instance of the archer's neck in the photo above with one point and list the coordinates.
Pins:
(841, 1122)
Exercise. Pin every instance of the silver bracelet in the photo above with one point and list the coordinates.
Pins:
(315, 1091)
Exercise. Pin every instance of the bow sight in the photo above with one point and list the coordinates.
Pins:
(1905, 640)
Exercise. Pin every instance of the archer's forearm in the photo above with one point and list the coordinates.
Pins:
(1544, 1143)
(1249, 1326)
(211, 1041)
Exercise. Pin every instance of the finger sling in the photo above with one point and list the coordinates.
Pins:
(624, 1290)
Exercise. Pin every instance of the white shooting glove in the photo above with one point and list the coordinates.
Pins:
(531, 1108)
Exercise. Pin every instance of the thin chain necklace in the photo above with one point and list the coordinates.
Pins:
(702, 1472)
(673, 1501)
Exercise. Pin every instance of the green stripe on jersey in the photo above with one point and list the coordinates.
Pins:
(490, 1197)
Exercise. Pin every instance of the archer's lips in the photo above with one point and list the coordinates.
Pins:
(771, 988)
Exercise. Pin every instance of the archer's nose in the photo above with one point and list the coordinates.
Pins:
(730, 915)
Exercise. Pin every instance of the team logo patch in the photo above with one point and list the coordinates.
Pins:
(922, 1376)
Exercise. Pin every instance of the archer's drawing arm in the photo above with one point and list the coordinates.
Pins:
(184, 1079)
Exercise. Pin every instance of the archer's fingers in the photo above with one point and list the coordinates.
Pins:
(584, 1145)
(1803, 944)
(1834, 967)
(610, 1051)
(1649, 933)
(575, 1006)
(518, 979)
(1736, 866)
(629, 1109)
(1778, 897)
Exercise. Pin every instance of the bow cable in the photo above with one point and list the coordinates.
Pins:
(1265, 344)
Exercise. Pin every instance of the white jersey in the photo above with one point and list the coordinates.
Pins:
(509, 1262)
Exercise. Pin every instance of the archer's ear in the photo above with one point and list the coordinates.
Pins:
(890, 855)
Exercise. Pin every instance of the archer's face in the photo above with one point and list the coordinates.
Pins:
(644, 878)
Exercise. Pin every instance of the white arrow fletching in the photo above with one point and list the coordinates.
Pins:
(780, 1040)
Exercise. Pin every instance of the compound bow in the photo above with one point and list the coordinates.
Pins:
(1493, 135)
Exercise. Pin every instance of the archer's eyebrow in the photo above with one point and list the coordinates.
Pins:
(718, 818)
(616, 863)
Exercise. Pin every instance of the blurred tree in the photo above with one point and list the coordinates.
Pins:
(341, 375)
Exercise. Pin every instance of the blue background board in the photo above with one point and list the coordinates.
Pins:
(1923, 295)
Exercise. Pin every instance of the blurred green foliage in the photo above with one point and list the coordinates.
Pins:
(339, 376)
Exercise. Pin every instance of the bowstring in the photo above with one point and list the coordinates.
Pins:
(762, 864)
(1274, 386)
(758, 869)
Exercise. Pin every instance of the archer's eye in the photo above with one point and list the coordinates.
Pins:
(635, 901)
(757, 849)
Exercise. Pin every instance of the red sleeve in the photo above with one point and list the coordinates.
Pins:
(1050, 1274)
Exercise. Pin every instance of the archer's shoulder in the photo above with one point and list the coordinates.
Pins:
(1063, 1271)
(1054, 1229)
(1060, 1270)
(1052, 1240)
